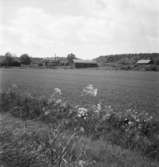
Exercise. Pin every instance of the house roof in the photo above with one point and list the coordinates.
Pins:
(84, 61)
(142, 61)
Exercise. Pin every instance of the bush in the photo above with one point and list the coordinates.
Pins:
(152, 68)
(155, 61)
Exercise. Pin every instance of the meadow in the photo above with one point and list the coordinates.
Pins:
(78, 118)
(120, 89)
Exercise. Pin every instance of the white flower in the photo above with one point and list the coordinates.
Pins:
(58, 101)
(106, 116)
(57, 91)
(64, 104)
(98, 108)
(82, 129)
(14, 86)
(137, 120)
(51, 99)
(90, 90)
(130, 123)
(82, 112)
(81, 163)
(29, 95)
(47, 113)
(110, 107)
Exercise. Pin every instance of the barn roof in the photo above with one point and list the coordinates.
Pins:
(84, 61)
(142, 61)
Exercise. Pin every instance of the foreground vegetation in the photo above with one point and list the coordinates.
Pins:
(34, 144)
(60, 134)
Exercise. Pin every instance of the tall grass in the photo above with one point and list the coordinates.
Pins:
(34, 144)
(128, 129)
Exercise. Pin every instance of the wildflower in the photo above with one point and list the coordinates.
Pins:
(90, 90)
(58, 101)
(43, 109)
(81, 163)
(106, 116)
(98, 108)
(14, 86)
(47, 113)
(57, 91)
(81, 112)
(64, 104)
(77, 106)
(51, 99)
(137, 120)
(39, 148)
(130, 123)
(82, 129)
(110, 107)
(29, 95)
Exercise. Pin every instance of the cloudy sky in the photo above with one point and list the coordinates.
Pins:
(88, 28)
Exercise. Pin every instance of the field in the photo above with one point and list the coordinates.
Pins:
(48, 119)
(120, 89)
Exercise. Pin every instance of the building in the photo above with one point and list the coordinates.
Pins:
(144, 61)
(50, 62)
(55, 61)
(77, 63)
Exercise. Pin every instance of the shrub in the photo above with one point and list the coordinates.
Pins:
(152, 68)
(155, 61)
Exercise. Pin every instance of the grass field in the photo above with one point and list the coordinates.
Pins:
(120, 89)
(37, 131)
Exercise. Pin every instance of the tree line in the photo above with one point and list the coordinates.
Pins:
(9, 60)
(128, 58)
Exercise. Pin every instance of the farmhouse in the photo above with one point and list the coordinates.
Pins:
(50, 61)
(77, 63)
(55, 61)
(142, 61)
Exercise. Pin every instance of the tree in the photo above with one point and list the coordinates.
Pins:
(70, 58)
(25, 59)
(8, 59)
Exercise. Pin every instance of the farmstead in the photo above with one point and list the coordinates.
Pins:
(84, 63)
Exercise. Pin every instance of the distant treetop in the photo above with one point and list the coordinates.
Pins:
(25, 59)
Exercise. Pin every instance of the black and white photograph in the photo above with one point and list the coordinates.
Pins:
(79, 83)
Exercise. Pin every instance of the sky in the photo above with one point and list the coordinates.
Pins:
(87, 28)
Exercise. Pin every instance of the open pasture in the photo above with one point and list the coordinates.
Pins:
(120, 89)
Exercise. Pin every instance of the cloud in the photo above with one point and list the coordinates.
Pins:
(93, 27)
